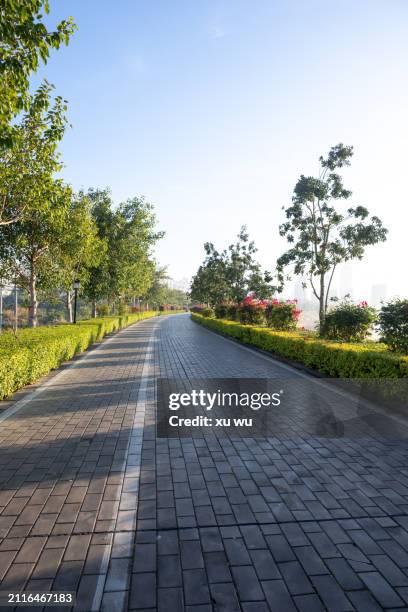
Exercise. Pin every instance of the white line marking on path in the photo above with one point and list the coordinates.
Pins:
(131, 465)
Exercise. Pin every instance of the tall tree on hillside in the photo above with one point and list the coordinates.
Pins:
(320, 235)
(24, 42)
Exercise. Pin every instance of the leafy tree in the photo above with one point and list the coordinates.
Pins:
(99, 284)
(158, 290)
(129, 233)
(209, 285)
(132, 257)
(321, 237)
(80, 248)
(28, 166)
(24, 42)
(33, 244)
(231, 274)
(35, 204)
(161, 293)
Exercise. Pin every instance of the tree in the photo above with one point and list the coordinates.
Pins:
(34, 203)
(160, 292)
(28, 166)
(136, 234)
(33, 244)
(129, 234)
(231, 274)
(321, 236)
(24, 42)
(99, 283)
(80, 248)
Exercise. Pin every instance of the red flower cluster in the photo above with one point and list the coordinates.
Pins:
(252, 302)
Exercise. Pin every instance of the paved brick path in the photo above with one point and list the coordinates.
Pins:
(92, 502)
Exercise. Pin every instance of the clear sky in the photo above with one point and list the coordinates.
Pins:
(213, 108)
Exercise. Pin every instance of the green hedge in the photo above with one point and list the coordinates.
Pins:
(32, 353)
(341, 360)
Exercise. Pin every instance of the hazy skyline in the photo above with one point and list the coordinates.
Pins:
(213, 109)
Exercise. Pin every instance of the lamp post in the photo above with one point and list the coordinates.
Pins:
(77, 285)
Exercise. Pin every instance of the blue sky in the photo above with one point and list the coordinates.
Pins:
(212, 109)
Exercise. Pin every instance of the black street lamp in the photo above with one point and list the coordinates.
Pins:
(77, 285)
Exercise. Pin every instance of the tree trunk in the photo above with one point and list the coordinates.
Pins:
(94, 313)
(33, 304)
(69, 306)
(322, 308)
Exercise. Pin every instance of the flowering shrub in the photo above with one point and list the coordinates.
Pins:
(370, 360)
(221, 310)
(393, 324)
(349, 322)
(206, 311)
(282, 315)
(251, 311)
(232, 312)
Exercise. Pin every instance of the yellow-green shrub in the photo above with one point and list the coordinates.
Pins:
(341, 360)
(32, 353)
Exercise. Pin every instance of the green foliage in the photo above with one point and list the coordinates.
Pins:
(32, 353)
(103, 310)
(346, 360)
(205, 311)
(348, 322)
(128, 232)
(160, 293)
(231, 274)
(320, 235)
(221, 311)
(250, 314)
(24, 42)
(80, 246)
(281, 315)
(232, 312)
(393, 324)
(28, 167)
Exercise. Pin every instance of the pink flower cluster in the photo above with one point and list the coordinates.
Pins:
(251, 301)
(363, 304)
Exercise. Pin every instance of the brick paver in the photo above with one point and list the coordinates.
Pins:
(91, 501)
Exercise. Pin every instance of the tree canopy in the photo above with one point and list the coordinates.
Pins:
(25, 41)
(28, 167)
(229, 275)
(321, 235)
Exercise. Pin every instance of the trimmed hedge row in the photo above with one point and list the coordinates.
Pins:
(32, 353)
(341, 360)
